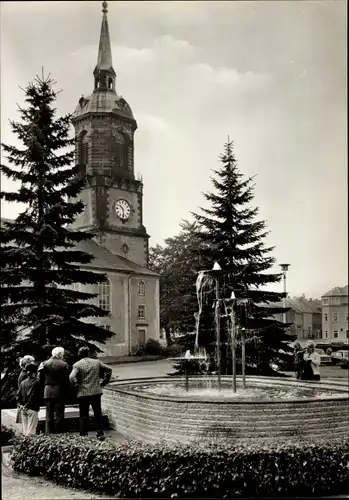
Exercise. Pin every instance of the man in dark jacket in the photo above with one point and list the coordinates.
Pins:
(86, 378)
(53, 374)
(29, 400)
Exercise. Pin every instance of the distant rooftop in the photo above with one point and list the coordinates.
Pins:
(337, 291)
(302, 305)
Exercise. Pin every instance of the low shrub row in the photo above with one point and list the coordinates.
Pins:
(7, 435)
(207, 470)
(154, 348)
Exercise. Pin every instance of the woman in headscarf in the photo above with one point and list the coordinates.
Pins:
(23, 363)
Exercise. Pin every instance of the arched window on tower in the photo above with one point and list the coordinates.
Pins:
(117, 150)
(110, 83)
(104, 296)
(96, 83)
(82, 151)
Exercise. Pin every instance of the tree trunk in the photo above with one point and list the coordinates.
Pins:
(168, 336)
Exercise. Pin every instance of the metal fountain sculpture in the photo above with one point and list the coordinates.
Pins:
(188, 359)
(280, 409)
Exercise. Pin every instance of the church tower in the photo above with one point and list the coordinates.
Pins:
(104, 132)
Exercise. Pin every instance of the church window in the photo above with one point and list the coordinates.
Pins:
(110, 83)
(119, 154)
(104, 296)
(141, 312)
(84, 153)
(141, 288)
(96, 83)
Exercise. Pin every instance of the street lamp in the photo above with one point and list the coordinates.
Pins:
(284, 269)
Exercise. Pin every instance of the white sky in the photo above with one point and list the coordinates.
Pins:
(272, 75)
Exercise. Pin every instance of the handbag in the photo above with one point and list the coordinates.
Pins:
(19, 416)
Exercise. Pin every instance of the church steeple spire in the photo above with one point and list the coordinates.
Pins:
(104, 72)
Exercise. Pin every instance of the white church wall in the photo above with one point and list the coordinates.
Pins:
(144, 311)
(136, 247)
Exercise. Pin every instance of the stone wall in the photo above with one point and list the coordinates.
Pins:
(151, 417)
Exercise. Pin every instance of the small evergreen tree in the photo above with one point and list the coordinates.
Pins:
(234, 239)
(178, 262)
(39, 258)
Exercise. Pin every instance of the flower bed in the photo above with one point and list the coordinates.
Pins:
(208, 470)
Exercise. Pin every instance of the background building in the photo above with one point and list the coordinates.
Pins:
(335, 315)
(305, 316)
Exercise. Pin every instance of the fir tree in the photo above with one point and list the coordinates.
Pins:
(39, 258)
(235, 239)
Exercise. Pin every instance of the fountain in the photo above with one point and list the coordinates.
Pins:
(233, 409)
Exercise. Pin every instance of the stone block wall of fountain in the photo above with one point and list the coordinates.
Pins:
(138, 412)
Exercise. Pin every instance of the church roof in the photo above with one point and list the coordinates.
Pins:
(104, 98)
(104, 259)
(107, 260)
(104, 60)
(103, 101)
(337, 291)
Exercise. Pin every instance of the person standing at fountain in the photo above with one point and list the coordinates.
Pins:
(312, 360)
(298, 359)
(86, 378)
(23, 362)
(53, 374)
(29, 399)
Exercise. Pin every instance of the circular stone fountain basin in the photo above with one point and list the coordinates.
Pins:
(269, 409)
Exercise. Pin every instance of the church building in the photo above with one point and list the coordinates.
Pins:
(113, 197)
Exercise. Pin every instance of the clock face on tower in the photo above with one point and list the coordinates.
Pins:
(123, 209)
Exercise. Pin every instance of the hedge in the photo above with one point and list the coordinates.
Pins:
(7, 435)
(134, 469)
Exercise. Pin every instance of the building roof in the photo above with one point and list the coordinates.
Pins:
(314, 305)
(302, 305)
(104, 60)
(103, 101)
(337, 291)
(105, 259)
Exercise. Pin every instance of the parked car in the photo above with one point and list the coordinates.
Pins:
(326, 359)
(339, 357)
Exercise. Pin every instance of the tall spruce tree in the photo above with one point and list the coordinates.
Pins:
(39, 258)
(235, 239)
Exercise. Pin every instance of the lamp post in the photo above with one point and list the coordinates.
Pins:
(284, 269)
